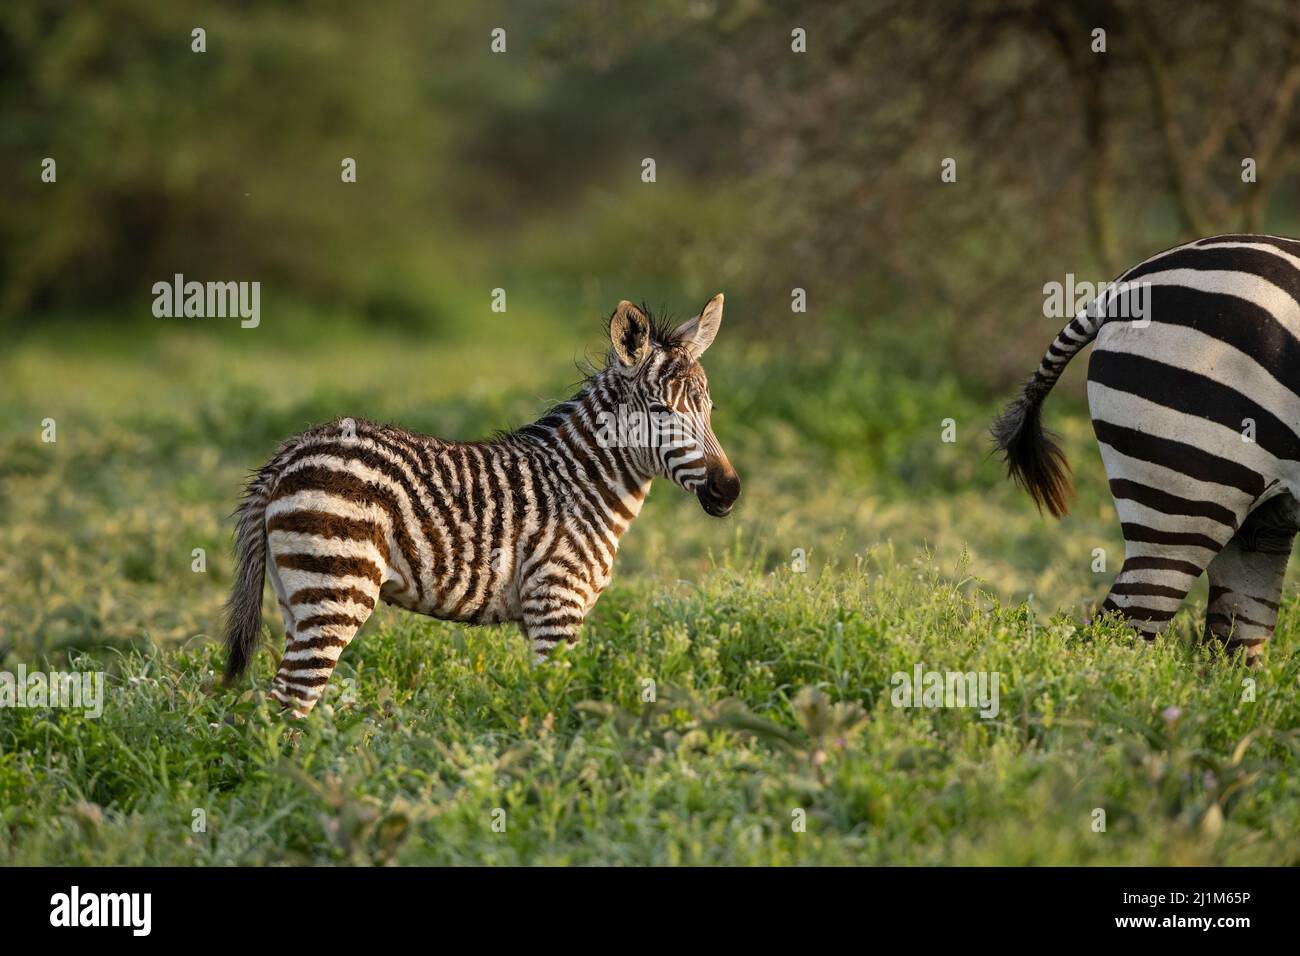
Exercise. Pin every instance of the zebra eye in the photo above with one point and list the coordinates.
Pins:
(658, 408)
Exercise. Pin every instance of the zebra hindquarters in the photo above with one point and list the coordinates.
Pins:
(1182, 476)
(1246, 579)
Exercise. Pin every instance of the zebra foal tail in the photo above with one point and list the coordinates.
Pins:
(1034, 460)
(244, 608)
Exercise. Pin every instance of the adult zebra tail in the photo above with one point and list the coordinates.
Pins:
(244, 607)
(1034, 459)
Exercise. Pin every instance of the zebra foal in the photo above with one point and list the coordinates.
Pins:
(1196, 408)
(520, 528)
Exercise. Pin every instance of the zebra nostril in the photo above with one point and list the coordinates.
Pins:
(723, 486)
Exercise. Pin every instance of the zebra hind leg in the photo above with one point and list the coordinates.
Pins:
(1159, 569)
(325, 621)
(1246, 579)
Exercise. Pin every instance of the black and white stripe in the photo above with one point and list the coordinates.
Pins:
(520, 528)
(1197, 415)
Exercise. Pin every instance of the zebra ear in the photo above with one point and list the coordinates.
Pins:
(629, 333)
(697, 334)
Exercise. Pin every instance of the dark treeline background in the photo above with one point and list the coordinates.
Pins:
(522, 170)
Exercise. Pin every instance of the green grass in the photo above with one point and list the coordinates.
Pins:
(772, 688)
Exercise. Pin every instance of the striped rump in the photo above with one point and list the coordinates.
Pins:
(1196, 407)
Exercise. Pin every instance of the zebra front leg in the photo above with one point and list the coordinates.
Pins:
(550, 621)
(1246, 579)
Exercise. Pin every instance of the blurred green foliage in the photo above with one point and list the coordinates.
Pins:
(521, 170)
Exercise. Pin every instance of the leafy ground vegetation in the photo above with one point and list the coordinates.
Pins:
(771, 737)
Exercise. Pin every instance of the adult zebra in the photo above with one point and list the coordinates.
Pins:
(521, 528)
(1195, 404)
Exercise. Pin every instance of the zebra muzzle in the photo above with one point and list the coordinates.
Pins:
(719, 492)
